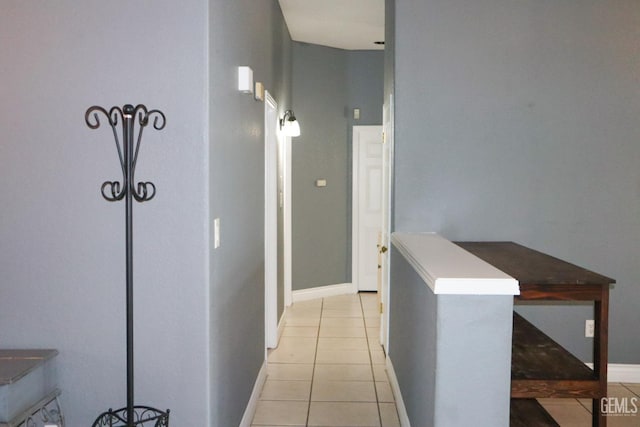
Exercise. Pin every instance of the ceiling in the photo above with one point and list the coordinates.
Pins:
(343, 24)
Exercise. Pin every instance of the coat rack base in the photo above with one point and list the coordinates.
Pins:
(143, 416)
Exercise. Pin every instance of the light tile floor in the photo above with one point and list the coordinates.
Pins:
(577, 412)
(329, 368)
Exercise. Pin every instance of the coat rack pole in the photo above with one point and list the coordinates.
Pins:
(134, 120)
(127, 131)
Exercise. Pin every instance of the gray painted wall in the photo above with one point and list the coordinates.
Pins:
(474, 353)
(199, 311)
(61, 244)
(319, 215)
(413, 315)
(444, 348)
(365, 84)
(365, 90)
(389, 48)
(327, 84)
(241, 33)
(389, 95)
(519, 121)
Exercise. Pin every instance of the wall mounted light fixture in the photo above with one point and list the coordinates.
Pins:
(245, 79)
(289, 124)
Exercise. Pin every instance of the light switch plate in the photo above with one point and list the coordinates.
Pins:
(216, 233)
(321, 182)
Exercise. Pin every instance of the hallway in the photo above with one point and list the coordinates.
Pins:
(329, 368)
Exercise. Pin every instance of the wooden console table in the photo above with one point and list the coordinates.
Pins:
(540, 367)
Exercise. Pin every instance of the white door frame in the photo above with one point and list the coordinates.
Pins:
(271, 220)
(387, 189)
(285, 153)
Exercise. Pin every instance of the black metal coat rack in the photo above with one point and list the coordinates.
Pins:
(134, 120)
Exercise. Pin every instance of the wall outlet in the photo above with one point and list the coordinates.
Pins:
(589, 328)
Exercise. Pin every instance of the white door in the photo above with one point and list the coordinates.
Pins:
(271, 220)
(367, 205)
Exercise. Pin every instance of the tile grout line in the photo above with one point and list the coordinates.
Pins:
(629, 390)
(315, 358)
(583, 405)
(370, 351)
(373, 375)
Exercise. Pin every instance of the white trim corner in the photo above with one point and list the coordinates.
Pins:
(271, 219)
(282, 323)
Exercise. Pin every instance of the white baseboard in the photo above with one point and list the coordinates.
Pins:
(395, 388)
(621, 373)
(250, 410)
(323, 292)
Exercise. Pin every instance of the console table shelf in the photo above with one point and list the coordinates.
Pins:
(541, 367)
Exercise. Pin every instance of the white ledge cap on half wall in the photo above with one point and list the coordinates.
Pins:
(450, 270)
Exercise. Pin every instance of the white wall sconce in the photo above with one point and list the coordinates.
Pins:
(289, 124)
(245, 79)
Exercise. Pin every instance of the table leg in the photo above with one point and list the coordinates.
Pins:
(600, 352)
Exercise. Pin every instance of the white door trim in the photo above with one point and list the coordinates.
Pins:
(387, 189)
(287, 231)
(271, 220)
(355, 210)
